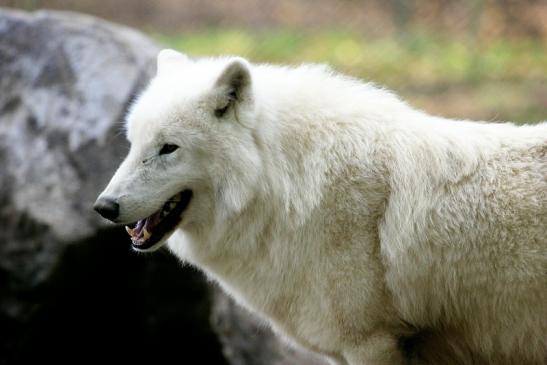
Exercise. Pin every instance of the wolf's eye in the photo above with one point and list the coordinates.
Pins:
(168, 148)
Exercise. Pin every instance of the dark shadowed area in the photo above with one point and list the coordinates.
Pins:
(102, 301)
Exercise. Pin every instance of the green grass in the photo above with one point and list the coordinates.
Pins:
(418, 58)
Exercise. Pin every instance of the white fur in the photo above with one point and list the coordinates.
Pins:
(347, 219)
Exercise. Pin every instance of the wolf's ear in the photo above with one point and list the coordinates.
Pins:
(169, 58)
(234, 84)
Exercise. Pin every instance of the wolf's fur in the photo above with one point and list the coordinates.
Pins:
(358, 227)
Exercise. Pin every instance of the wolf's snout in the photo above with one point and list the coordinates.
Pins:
(107, 207)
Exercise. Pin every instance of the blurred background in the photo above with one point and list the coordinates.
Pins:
(480, 59)
(71, 290)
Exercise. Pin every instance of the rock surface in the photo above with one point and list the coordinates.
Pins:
(66, 80)
(69, 284)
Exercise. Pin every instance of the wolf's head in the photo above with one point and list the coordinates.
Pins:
(193, 157)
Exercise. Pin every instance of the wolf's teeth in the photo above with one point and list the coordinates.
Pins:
(130, 231)
(146, 234)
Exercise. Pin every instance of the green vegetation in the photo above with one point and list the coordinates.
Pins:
(416, 58)
(497, 79)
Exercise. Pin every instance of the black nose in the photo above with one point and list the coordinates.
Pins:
(107, 207)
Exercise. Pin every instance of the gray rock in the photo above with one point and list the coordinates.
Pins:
(66, 81)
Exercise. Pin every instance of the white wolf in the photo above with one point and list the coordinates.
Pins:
(358, 227)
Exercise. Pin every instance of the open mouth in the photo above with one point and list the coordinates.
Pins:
(151, 230)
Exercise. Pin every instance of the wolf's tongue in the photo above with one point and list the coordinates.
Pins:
(137, 232)
(144, 225)
(152, 221)
(139, 226)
